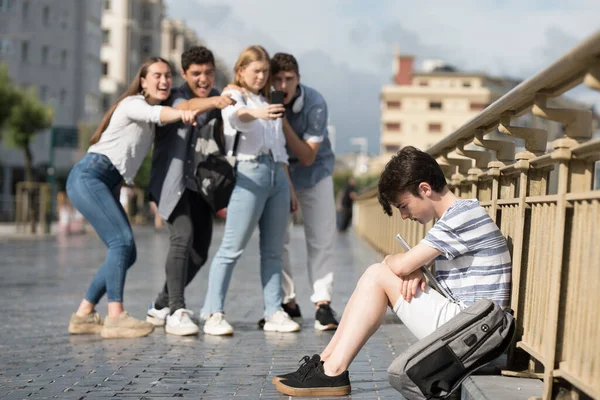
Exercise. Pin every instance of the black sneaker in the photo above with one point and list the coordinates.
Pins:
(294, 314)
(307, 363)
(325, 319)
(313, 382)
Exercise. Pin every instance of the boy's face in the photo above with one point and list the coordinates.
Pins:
(416, 208)
(287, 82)
(200, 78)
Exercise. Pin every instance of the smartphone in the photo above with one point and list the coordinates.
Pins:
(277, 97)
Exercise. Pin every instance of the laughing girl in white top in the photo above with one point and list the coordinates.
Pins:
(261, 196)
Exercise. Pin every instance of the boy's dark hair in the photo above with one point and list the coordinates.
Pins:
(196, 55)
(404, 172)
(284, 62)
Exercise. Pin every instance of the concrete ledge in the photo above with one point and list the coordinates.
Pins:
(495, 387)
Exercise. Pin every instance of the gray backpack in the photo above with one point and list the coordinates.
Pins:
(436, 365)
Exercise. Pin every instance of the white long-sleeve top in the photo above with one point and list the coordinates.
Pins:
(256, 137)
(129, 135)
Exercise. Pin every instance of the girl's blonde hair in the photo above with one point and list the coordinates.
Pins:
(249, 55)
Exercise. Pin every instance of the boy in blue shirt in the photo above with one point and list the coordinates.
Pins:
(311, 166)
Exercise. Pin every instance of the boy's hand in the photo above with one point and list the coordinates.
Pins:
(222, 101)
(242, 90)
(410, 284)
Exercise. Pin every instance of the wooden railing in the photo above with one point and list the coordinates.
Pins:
(542, 198)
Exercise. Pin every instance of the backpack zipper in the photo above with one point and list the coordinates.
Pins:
(478, 345)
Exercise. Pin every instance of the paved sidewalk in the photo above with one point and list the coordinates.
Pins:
(42, 282)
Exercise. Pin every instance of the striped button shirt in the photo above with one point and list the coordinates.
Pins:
(474, 262)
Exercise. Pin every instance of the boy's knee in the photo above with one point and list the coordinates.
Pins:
(373, 274)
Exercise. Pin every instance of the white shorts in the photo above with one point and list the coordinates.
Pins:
(426, 312)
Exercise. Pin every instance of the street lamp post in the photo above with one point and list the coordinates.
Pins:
(51, 179)
(362, 159)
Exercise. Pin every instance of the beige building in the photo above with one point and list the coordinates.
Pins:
(54, 46)
(131, 32)
(421, 107)
(178, 37)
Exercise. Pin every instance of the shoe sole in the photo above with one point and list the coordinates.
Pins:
(312, 392)
(328, 327)
(226, 333)
(267, 328)
(155, 321)
(125, 333)
(84, 329)
(182, 331)
(298, 320)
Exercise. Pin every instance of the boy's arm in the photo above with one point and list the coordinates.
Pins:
(206, 104)
(403, 264)
(305, 151)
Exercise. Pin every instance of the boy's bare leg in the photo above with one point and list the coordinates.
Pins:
(377, 288)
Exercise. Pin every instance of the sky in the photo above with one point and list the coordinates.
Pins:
(345, 47)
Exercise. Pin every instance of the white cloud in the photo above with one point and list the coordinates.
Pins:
(345, 47)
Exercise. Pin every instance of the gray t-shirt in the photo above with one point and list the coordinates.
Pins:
(173, 166)
(128, 136)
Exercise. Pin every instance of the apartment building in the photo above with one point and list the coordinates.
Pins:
(421, 107)
(131, 32)
(178, 37)
(54, 46)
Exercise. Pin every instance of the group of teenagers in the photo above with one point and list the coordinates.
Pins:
(284, 162)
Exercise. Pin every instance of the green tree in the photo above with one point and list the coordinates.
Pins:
(28, 116)
(8, 96)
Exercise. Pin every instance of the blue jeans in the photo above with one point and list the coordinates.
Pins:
(261, 197)
(93, 188)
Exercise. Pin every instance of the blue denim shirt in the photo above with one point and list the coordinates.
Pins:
(310, 124)
(173, 168)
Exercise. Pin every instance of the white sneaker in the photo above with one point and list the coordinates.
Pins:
(155, 316)
(280, 321)
(181, 323)
(217, 326)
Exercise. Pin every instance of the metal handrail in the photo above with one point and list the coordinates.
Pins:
(568, 71)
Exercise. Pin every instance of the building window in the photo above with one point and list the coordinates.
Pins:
(105, 69)
(107, 4)
(6, 5)
(5, 47)
(63, 96)
(477, 106)
(423, 83)
(44, 93)
(392, 126)
(392, 148)
(146, 45)
(46, 15)
(25, 51)
(25, 10)
(393, 104)
(63, 59)
(45, 52)
(435, 128)
(105, 102)
(146, 13)
(435, 105)
(174, 42)
(466, 84)
(105, 36)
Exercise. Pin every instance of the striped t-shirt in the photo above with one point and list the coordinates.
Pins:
(475, 262)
